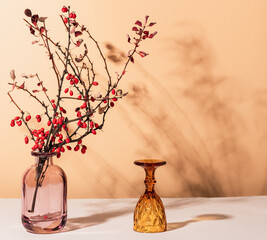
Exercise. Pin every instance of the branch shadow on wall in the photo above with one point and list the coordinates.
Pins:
(205, 154)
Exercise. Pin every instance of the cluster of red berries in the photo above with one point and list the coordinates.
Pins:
(72, 79)
(41, 136)
(64, 9)
(17, 120)
(61, 149)
(71, 15)
(114, 99)
(58, 122)
(38, 118)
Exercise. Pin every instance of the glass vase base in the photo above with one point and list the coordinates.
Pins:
(45, 224)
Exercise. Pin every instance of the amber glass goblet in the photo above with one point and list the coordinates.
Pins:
(149, 214)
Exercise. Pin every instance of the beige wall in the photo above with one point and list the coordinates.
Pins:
(199, 100)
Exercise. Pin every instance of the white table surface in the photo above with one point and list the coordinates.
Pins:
(243, 218)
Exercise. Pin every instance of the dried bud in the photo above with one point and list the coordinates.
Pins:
(28, 12)
(138, 23)
(34, 19)
(42, 19)
(12, 74)
(151, 24)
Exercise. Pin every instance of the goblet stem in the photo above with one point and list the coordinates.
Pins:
(150, 180)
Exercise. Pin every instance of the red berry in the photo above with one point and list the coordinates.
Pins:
(96, 125)
(94, 132)
(92, 99)
(115, 99)
(112, 104)
(71, 93)
(95, 83)
(62, 110)
(35, 147)
(68, 77)
(48, 123)
(58, 150)
(52, 101)
(69, 147)
(39, 120)
(17, 118)
(80, 141)
(79, 114)
(74, 15)
(65, 20)
(60, 121)
(26, 140)
(83, 106)
(67, 140)
(28, 118)
(71, 82)
(83, 150)
(62, 149)
(66, 90)
(40, 146)
(84, 147)
(71, 15)
(12, 124)
(105, 101)
(54, 121)
(84, 125)
(77, 147)
(79, 123)
(54, 105)
(37, 116)
(76, 80)
(113, 91)
(79, 97)
(58, 155)
(91, 124)
(64, 9)
(19, 123)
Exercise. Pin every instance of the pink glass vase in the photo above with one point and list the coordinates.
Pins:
(44, 196)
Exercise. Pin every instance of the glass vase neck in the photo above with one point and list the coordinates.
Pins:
(43, 157)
